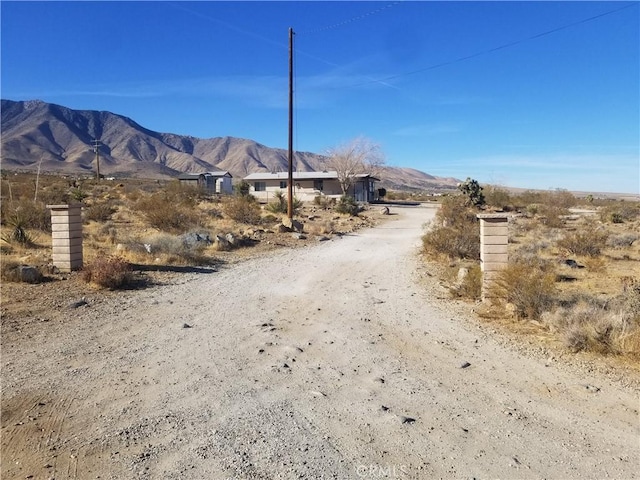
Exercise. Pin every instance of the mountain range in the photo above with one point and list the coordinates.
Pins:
(57, 139)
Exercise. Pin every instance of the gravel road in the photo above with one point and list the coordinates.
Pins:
(329, 361)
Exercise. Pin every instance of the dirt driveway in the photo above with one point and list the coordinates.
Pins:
(324, 362)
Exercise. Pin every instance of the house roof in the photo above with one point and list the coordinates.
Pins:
(333, 175)
(195, 176)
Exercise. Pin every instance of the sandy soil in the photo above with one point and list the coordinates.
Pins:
(330, 361)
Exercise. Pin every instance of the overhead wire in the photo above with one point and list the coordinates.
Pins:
(350, 20)
(495, 49)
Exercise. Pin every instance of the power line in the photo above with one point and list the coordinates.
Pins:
(350, 20)
(495, 49)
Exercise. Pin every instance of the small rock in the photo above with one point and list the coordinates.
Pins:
(407, 419)
(384, 409)
(80, 303)
(592, 389)
(465, 365)
(186, 325)
(384, 211)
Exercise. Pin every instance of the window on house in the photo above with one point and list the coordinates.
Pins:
(318, 185)
(260, 186)
(283, 184)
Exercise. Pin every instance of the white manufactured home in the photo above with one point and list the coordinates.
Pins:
(308, 185)
(212, 182)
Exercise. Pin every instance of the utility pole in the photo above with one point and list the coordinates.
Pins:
(96, 149)
(290, 182)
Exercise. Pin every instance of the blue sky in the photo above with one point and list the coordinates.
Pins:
(523, 94)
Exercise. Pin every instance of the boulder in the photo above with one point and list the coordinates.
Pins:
(231, 238)
(28, 274)
(293, 225)
(196, 238)
(222, 243)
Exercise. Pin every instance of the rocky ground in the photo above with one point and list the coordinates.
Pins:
(340, 359)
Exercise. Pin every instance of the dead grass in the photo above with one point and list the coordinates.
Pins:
(568, 270)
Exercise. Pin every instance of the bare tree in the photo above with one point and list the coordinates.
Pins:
(355, 157)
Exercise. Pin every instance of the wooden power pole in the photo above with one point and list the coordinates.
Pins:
(96, 149)
(290, 182)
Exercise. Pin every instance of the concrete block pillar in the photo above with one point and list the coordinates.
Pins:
(66, 234)
(494, 244)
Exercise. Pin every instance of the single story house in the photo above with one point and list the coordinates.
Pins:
(308, 185)
(212, 182)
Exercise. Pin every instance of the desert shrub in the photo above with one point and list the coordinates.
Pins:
(280, 203)
(108, 272)
(604, 327)
(588, 240)
(323, 201)
(561, 199)
(242, 188)
(78, 194)
(188, 195)
(168, 213)
(498, 198)
(320, 228)
(624, 240)
(243, 209)
(269, 219)
(178, 249)
(452, 242)
(29, 214)
(347, 205)
(620, 212)
(455, 231)
(471, 284)
(56, 194)
(99, 212)
(552, 215)
(528, 285)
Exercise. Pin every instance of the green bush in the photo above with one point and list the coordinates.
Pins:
(348, 206)
(472, 190)
(280, 204)
(17, 231)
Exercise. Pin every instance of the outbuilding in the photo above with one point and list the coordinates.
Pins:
(212, 182)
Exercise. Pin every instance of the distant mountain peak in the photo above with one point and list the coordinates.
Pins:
(60, 139)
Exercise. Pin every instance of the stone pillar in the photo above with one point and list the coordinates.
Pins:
(66, 235)
(494, 244)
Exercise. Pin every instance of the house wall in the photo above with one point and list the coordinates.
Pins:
(303, 190)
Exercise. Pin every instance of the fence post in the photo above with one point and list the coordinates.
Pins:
(494, 244)
(66, 236)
